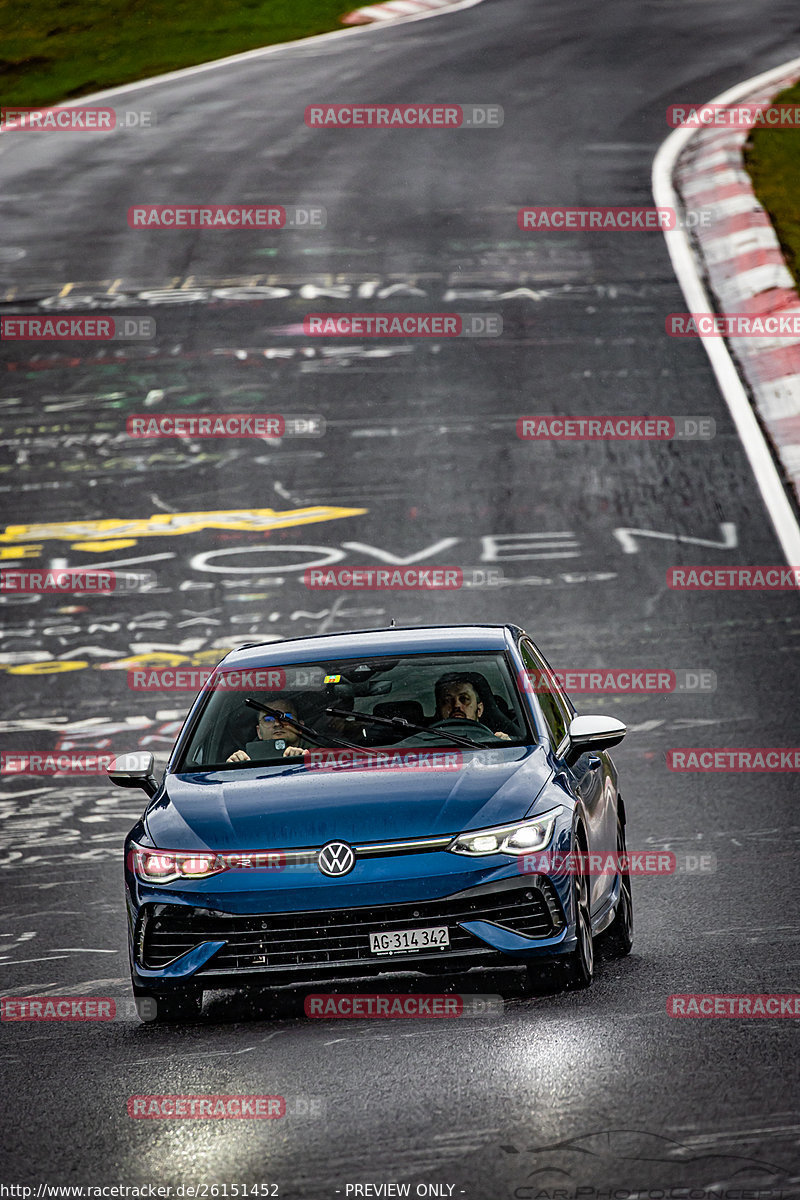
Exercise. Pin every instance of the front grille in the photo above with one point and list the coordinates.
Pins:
(300, 941)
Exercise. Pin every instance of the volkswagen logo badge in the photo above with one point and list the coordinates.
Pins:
(336, 858)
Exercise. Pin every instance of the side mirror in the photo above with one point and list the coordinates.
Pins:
(134, 771)
(592, 733)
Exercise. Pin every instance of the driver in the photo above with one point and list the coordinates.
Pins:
(277, 731)
(457, 699)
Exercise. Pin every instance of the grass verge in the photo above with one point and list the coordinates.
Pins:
(772, 157)
(59, 49)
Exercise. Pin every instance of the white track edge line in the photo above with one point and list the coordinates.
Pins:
(753, 440)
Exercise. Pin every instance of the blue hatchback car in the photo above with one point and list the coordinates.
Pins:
(357, 803)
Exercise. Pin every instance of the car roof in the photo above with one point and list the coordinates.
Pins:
(372, 642)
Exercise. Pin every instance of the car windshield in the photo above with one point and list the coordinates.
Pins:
(463, 699)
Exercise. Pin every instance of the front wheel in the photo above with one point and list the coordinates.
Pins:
(185, 1005)
(618, 938)
(578, 967)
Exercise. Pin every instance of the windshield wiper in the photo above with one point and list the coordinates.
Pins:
(402, 723)
(312, 735)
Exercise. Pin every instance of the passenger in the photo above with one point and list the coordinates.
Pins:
(457, 698)
(276, 731)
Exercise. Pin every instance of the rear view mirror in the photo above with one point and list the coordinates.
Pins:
(134, 771)
(592, 733)
(376, 687)
(344, 690)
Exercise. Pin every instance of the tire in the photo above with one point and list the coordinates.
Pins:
(578, 966)
(155, 1009)
(618, 938)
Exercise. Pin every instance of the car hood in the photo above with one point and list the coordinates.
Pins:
(295, 807)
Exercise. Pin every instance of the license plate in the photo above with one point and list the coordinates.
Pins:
(403, 941)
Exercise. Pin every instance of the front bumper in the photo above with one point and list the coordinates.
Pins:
(491, 925)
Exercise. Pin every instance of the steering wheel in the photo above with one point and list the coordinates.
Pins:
(457, 724)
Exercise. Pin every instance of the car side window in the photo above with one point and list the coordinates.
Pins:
(556, 713)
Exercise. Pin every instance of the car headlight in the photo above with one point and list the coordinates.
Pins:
(519, 838)
(165, 866)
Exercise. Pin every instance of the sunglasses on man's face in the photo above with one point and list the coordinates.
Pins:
(265, 720)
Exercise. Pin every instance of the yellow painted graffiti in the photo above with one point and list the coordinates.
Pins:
(153, 661)
(165, 658)
(16, 552)
(90, 534)
(54, 667)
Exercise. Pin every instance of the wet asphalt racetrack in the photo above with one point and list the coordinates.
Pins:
(598, 1089)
